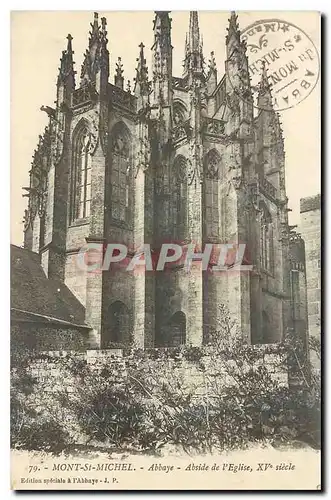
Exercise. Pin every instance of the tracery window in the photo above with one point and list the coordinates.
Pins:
(179, 113)
(266, 240)
(121, 173)
(81, 176)
(211, 194)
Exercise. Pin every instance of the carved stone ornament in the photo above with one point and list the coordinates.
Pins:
(232, 101)
(212, 167)
(42, 197)
(104, 135)
(237, 181)
(94, 132)
(33, 207)
(178, 133)
(194, 170)
(235, 159)
(215, 127)
(57, 138)
(143, 155)
(120, 145)
(27, 219)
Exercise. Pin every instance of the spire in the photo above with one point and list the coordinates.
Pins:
(193, 62)
(194, 32)
(236, 65)
(96, 56)
(233, 29)
(162, 26)
(104, 43)
(264, 100)
(233, 22)
(233, 37)
(162, 59)
(211, 79)
(69, 44)
(94, 34)
(141, 80)
(66, 69)
(119, 79)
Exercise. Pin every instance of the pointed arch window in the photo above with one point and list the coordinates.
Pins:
(179, 113)
(180, 198)
(211, 194)
(266, 240)
(81, 176)
(121, 174)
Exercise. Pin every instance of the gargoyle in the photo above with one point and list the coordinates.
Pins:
(50, 111)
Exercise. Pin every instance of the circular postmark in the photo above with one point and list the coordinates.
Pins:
(288, 58)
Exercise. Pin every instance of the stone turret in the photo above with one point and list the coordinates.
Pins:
(95, 67)
(193, 62)
(119, 78)
(162, 60)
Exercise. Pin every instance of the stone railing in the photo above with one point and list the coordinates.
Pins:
(123, 99)
(178, 133)
(214, 127)
(81, 95)
(267, 188)
(179, 83)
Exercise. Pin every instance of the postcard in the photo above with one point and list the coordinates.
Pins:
(166, 275)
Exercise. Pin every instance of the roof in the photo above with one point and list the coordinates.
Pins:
(33, 292)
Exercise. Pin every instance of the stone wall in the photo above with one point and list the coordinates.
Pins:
(193, 367)
(310, 228)
(60, 374)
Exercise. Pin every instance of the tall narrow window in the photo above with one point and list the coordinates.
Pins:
(266, 240)
(85, 179)
(179, 183)
(81, 176)
(120, 177)
(211, 195)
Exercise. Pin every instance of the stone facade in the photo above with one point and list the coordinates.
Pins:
(181, 159)
(310, 228)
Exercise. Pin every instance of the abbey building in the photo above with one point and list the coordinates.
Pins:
(179, 158)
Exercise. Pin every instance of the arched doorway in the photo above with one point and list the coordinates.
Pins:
(177, 330)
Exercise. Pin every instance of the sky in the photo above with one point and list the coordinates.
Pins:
(38, 38)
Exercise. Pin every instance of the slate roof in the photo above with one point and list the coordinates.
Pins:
(32, 291)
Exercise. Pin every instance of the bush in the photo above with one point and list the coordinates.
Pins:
(150, 404)
(110, 414)
(28, 428)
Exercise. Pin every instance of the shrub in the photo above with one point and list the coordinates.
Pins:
(30, 429)
(150, 404)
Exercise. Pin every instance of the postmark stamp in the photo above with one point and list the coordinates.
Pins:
(290, 57)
